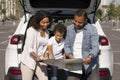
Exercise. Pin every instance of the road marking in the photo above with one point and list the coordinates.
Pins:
(115, 37)
(116, 29)
(3, 42)
(3, 32)
(116, 51)
(117, 64)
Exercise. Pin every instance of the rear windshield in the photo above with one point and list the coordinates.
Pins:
(60, 3)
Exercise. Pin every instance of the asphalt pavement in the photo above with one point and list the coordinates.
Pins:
(113, 34)
(6, 30)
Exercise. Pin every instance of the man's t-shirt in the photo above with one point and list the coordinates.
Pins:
(77, 46)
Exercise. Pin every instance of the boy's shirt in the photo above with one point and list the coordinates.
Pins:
(56, 47)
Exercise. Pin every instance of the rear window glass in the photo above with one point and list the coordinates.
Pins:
(60, 3)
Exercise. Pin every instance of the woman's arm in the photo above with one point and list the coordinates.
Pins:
(30, 39)
(35, 56)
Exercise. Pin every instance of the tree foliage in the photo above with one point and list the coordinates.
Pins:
(0, 8)
(99, 13)
(113, 11)
(118, 12)
(15, 9)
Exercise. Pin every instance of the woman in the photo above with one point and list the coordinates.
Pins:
(35, 46)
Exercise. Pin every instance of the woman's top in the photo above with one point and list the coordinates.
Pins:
(33, 43)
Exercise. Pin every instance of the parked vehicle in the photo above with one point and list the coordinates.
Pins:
(61, 11)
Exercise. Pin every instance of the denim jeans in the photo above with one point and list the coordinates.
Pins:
(93, 75)
(54, 73)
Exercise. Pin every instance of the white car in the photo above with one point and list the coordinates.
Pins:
(61, 10)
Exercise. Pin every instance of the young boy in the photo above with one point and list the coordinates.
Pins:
(56, 45)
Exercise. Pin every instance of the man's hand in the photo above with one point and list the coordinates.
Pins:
(87, 60)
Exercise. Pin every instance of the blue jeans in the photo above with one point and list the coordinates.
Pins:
(57, 74)
(54, 72)
(93, 75)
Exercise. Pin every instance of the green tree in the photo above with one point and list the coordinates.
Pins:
(19, 9)
(12, 17)
(111, 11)
(118, 12)
(4, 13)
(99, 13)
(0, 8)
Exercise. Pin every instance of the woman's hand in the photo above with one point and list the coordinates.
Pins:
(35, 56)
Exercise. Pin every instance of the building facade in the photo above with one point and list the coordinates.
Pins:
(10, 8)
(103, 6)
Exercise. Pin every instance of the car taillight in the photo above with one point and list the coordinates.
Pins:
(15, 72)
(103, 73)
(14, 39)
(103, 40)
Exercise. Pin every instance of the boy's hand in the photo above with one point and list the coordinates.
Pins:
(71, 56)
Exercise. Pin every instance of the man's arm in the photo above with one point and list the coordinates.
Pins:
(67, 45)
(94, 42)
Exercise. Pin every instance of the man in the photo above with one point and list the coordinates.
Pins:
(82, 41)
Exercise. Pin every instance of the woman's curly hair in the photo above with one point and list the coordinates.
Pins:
(38, 17)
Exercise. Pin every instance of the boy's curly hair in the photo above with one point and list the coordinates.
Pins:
(60, 28)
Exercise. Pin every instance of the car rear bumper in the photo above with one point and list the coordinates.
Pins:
(14, 73)
(105, 74)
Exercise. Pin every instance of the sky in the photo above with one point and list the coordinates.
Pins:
(108, 1)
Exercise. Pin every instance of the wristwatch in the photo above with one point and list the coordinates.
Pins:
(91, 56)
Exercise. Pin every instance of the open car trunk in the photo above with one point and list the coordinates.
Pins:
(60, 8)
